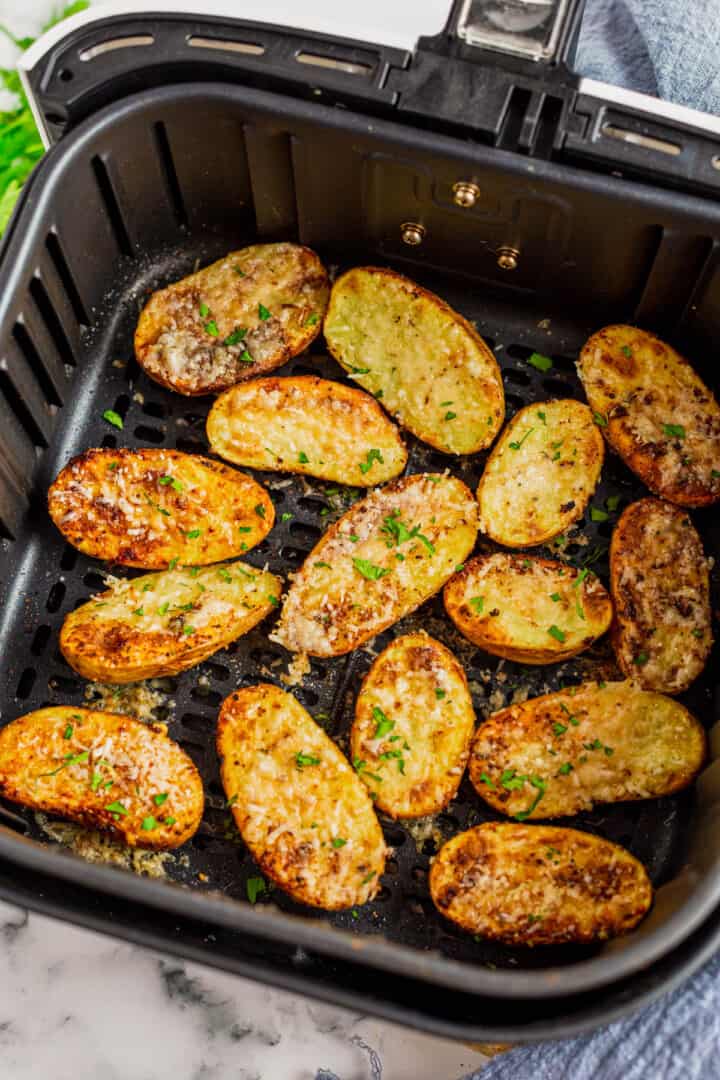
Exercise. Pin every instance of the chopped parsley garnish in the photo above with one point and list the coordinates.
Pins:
(301, 760)
(273, 600)
(613, 501)
(224, 574)
(254, 887)
(188, 630)
(149, 823)
(440, 694)
(372, 455)
(359, 370)
(246, 358)
(96, 781)
(246, 528)
(378, 394)
(67, 733)
(565, 769)
(626, 351)
(555, 632)
(160, 799)
(204, 310)
(192, 534)
(163, 609)
(517, 445)
(236, 336)
(676, 431)
(313, 319)
(173, 563)
(286, 516)
(260, 511)
(303, 458)
(263, 312)
(542, 363)
(485, 779)
(116, 808)
(450, 415)
(322, 564)
(370, 570)
(139, 611)
(715, 473)
(166, 480)
(115, 464)
(361, 769)
(397, 532)
(338, 842)
(596, 514)
(211, 328)
(113, 418)
(541, 787)
(368, 877)
(698, 633)
(353, 537)
(238, 271)
(600, 420)
(559, 729)
(641, 659)
(69, 759)
(542, 416)
(384, 723)
(555, 597)
(477, 603)
(169, 821)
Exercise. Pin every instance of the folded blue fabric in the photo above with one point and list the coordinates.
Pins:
(668, 48)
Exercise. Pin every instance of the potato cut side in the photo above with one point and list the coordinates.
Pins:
(301, 808)
(538, 885)
(161, 624)
(304, 424)
(244, 315)
(541, 474)
(659, 577)
(655, 411)
(414, 720)
(562, 753)
(427, 364)
(156, 508)
(104, 771)
(380, 561)
(535, 611)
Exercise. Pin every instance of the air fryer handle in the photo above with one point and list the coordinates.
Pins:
(544, 32)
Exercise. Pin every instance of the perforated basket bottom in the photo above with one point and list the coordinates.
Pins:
(55, 579)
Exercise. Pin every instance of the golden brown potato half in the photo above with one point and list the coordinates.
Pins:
(538, 885)
(161, 624)
(562, 753)
(428, 364)
(104, 771)
(304, 424)
(242, 316)
(541, 473)
(380, 561)
(156, 508)
(300, 806)
(655, 412)
(535, 611)
(414, 720)
(659, 578)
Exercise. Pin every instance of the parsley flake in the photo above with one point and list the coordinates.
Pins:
(555, 632)
(254, 887)
(113, 418)
(301, 760)
(383, 722)
(542, 363)
(263, 312)
(370, 570)
(372, 455)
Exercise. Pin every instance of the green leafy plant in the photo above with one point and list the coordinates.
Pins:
(20, 145)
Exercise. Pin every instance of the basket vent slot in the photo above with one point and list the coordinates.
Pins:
(27, 348)
(637, 138)
(52, 321)
(250, 48)
(59, 261)
(131, 41)
(21, 411)
(169, 172)
(348, 67)
(109, 198)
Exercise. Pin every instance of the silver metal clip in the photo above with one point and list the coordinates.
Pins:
(528, 28)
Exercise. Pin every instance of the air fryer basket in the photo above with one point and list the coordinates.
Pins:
(136, 195)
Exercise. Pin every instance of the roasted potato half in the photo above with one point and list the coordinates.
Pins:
(655, 412)
(414, 720)
(541, 473)
(161, 624)
(242, 316)
(156, 508)
(300, 806)
(562, 753)
(659, 577)
(104, 771)
(535, 611)
(304, 424)
(538, 885)
(380, 561)
(429, 366)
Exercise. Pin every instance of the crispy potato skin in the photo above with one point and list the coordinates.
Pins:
(540, 474)
(660, 583)
(37, 769)
(504, 603)
(421, 689)
(332, 607)
(295, 798)
(303, 424)
(142, 508)
(162, 624)
(176, 342)
(588, 745)
(639, 384)
(437, 376)
(538, 885)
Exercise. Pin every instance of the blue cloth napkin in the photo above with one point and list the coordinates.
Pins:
(669, 48)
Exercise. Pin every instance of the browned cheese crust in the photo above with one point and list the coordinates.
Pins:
(538, 885)
(659, 578)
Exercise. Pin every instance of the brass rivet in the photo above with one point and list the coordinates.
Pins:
(412, 233)
(507, 257)
(465, 193)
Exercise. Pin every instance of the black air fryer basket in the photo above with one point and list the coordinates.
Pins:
(540, 205)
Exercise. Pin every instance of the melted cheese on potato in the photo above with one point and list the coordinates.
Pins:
(244, 315)
(541, 474)
(430, 367)
(161, 624)
(151, 508)
(380, 561)
(103, 770)
(413, 724)
(297, 801)
(564, 752)
(662, 634)
(304, 424)
(538, 885)
(535, 611)
(655, 411)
